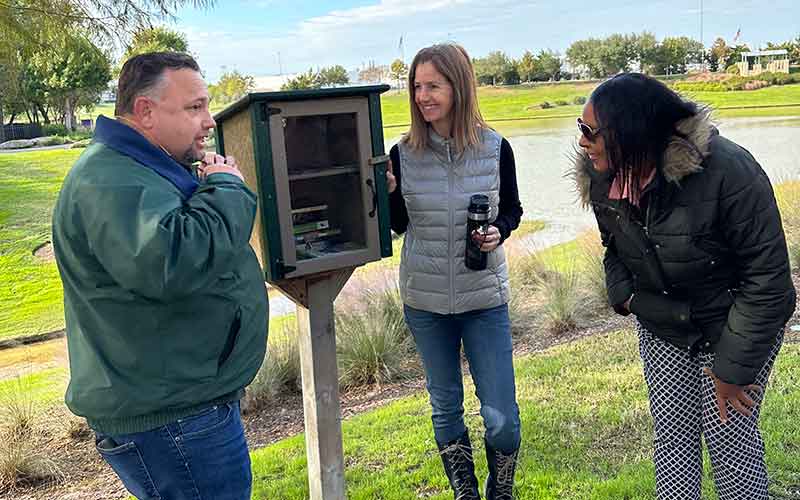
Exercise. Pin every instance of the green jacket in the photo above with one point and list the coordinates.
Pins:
(165, 303)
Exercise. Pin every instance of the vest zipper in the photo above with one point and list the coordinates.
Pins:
(451, 234)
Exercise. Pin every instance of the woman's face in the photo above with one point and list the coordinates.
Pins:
(433, 95)
(591, 141)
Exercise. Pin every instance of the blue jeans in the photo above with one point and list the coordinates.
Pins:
(486, 336)
(200, 457)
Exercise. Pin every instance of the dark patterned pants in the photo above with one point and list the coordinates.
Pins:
(684, 408)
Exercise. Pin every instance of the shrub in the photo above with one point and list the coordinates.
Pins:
(24, 458)
(527, 271)
(54, 129)
(545, 105)
(25, 462)
(373, 344)
(561, 102)
(579, 100)
(788, 197)
(53, 140)
(562, 302)
(19, 411)
(593, 270)
(733, 69)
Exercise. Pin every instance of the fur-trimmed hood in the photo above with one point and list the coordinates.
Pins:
(683, 156)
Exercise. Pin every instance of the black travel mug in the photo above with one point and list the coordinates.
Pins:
(477, 220)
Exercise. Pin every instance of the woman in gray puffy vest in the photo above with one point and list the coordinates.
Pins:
(449, 156)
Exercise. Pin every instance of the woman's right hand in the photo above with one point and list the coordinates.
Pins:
(391, 181)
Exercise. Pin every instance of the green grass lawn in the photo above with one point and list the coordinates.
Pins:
(586, 434)
(30, 295)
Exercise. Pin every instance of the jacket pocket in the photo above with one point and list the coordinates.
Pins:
(233, 334)
(661, 309)
(127, 462)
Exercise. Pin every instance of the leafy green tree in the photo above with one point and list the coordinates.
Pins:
(41, 21)
(550, 64)
(76, 76)
(615, 54)
(157, 39)
(645, 46)
(399, 71)
(585, 56)
(231, 86)
(527, 66)
(674, 53)
(302, 81)
(332, 76)
(735, 54)
(490, 70)
(719, 53)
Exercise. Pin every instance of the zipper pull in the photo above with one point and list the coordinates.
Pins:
(449, 156)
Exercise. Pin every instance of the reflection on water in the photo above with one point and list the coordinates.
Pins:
(542, 156)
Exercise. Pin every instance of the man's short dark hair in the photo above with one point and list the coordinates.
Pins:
(142, 72)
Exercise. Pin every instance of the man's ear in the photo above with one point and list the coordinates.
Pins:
(143, 111)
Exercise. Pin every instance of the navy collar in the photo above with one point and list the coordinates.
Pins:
(129, 142)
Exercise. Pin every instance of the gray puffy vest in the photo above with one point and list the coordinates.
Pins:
(437, 184)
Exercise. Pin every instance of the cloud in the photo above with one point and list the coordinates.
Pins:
(350, 37)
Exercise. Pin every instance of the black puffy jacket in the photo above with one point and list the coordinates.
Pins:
(706, 254)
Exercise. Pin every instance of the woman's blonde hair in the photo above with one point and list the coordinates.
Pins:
(453, 62)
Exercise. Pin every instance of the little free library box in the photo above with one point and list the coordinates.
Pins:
(316, 160)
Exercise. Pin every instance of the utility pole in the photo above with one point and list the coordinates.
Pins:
(703, 55)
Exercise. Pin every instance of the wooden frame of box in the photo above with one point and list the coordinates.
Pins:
(300, 150)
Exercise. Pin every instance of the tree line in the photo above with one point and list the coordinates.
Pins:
(55, 56)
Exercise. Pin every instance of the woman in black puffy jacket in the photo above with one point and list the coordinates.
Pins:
(695, 249)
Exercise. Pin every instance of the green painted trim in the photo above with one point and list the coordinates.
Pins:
(376, 132)
(218, 138)
(273, 254)
(298, 95)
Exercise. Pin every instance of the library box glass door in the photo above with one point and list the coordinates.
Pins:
(325, 188)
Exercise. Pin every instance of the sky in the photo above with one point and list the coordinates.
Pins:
(271, 37)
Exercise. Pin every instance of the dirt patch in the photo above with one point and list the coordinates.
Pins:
(32, 358)
(44, 252)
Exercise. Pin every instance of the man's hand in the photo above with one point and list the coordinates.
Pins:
(733, 394)
(217, 164)
(391, 181)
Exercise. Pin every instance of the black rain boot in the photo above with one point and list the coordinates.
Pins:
(460, 468)
(500, 481)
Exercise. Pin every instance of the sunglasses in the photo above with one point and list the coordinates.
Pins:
(588, 132)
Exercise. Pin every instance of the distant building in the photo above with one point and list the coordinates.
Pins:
(760, 61)
(271, 83)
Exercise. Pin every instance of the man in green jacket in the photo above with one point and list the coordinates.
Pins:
(165, 302)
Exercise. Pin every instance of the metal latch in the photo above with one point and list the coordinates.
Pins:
(376, 160)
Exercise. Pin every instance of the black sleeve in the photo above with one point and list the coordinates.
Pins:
(619, 282)
(398, 213)
(509, 211)
(765, 299)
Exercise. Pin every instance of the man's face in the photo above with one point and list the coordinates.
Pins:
(180, 117)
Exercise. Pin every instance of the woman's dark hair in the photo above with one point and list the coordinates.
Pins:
(142, 73)
(637, 114)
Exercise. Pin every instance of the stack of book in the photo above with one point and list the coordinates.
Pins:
(313, 235)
